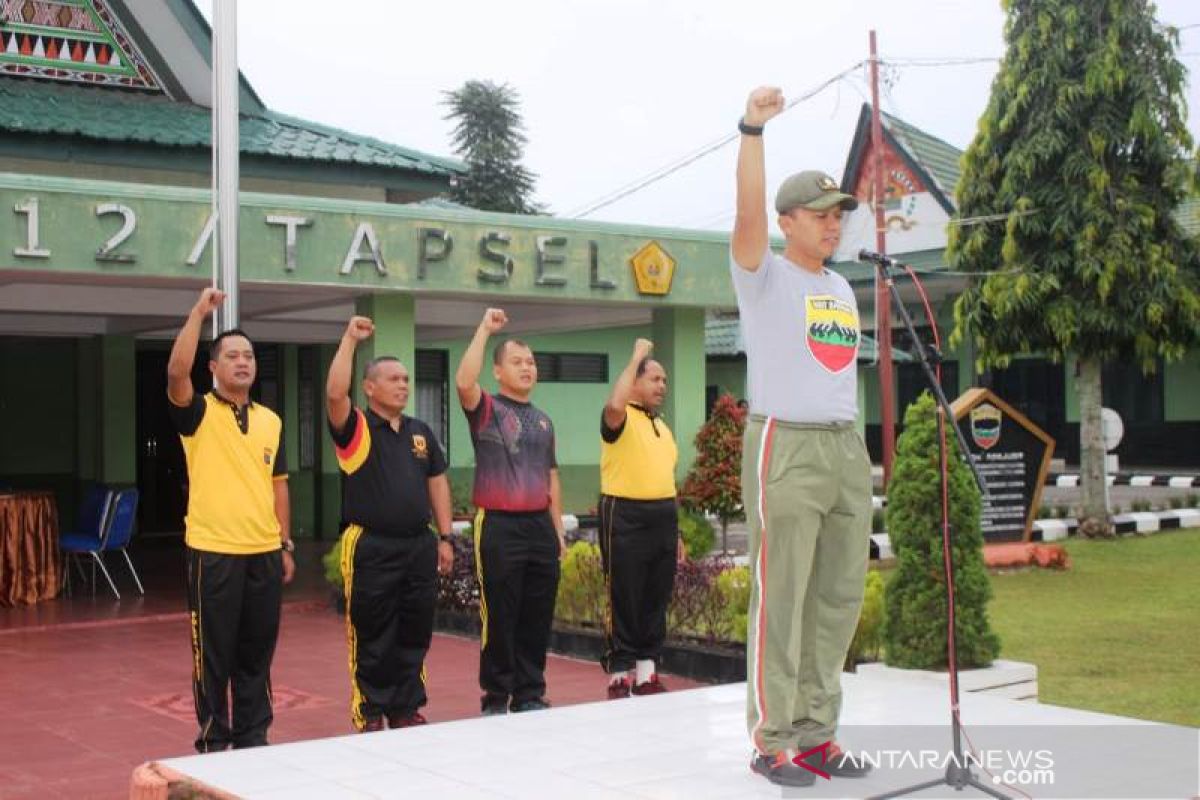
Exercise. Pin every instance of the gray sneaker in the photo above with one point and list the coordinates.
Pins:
(836, 763)
(780, 770)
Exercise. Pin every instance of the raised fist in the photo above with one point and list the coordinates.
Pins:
(642, 348)
(360, 328)
(764, 103)
(493, 320)
(210, 300)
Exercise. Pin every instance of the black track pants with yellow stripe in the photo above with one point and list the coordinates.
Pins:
(233, 602)
(391, 591)
(638, 543)
(516, 561)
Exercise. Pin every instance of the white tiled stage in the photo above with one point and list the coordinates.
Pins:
(690, 745)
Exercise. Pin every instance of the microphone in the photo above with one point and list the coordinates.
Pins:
(877, 258)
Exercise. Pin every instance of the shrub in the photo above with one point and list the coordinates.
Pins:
(734, 587)
(1191, 500)
(698, 608)
(1062, 512)
(714, 483)
(878, 521)
(915, 618)
(459, 590)
(1140, 505)
(332, 562)
(1175, 502)
(697, 532)
(1045, 512)
(868, 636)
(582, 593)
(461, 505)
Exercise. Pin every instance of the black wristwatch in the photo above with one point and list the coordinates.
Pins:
(749, 130)
(445, 537)
(288, 546)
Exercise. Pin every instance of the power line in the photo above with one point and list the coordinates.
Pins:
(674, 167)
(946, 61)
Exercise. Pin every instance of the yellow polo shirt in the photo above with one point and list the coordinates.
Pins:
(233, 456)
(637, 461)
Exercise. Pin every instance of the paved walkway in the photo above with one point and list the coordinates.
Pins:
(90, 688)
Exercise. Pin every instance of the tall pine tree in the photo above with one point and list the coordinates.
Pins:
(489, 135)
(1085, 149)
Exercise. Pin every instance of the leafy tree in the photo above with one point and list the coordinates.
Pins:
(714, 483)
(1084, 150)
(916, 611)
(489, 135)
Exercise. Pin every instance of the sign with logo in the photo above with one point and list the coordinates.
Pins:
(831, 331)
(653, 269)
(1013, 454)
(71, 226)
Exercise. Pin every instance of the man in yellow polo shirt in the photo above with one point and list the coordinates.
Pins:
(239, 551)
(639, 531)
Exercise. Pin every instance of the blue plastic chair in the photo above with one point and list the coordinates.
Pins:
(116, 530)
(92, 520)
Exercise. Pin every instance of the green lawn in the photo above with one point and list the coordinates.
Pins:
(1118, 632)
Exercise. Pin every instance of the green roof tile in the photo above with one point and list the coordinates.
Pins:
(939, 158)
(104, 114)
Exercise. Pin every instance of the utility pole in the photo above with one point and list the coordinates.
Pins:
(225, 153)
(883, 329)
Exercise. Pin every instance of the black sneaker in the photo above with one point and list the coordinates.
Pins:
(836, 763)
(536, 704)
(492, 705)
(780, 770)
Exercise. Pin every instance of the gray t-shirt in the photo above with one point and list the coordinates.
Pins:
(801, 333)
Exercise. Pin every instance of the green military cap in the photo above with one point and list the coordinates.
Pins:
(814, 190)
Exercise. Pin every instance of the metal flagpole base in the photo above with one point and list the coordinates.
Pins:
(957, 778)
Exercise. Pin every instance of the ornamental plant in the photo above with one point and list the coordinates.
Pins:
(714, 483)
(915, 619)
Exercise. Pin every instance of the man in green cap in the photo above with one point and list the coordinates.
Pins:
(806, 475)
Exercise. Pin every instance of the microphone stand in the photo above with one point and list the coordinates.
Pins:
(958, 773)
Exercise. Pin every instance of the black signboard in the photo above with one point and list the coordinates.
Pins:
(1013, 455)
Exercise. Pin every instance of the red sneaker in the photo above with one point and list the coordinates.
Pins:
(652, 686)
(406, 721)
(618, 689)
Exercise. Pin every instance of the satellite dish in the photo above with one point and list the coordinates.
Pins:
(1114, 428)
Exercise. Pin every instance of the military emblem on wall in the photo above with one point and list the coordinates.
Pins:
(653, 269)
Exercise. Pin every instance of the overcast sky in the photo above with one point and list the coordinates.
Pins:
(612, 90)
